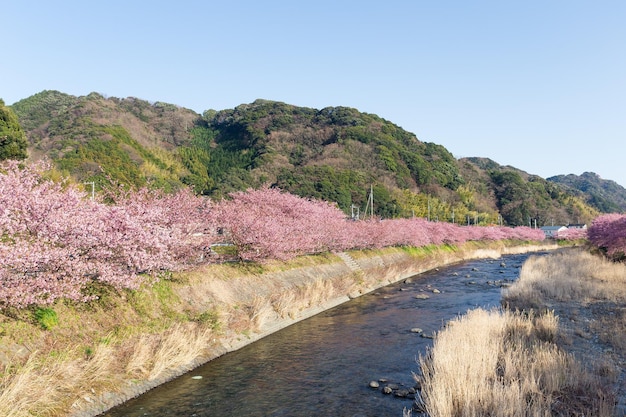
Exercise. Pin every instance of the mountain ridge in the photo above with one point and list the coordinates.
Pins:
(335, 153)
(607, 195)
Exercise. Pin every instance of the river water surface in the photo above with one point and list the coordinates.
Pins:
(322, 366)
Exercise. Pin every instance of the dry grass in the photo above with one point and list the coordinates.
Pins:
(260, 311)
(589, 289)
(500, 363)
(250, 297)
(23, 388)
(571, 275)
(51, 385)
(283, 303)
(566, 360)
(177, 348)
(43, 385)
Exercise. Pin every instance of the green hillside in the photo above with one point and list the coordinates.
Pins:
(336, 153)
(96, 139)
(605, 195)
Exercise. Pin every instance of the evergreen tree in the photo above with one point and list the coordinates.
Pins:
(13, 143)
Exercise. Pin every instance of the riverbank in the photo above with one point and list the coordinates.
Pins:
(102, 354)
(558, 349)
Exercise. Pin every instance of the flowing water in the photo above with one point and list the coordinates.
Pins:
(322, 366)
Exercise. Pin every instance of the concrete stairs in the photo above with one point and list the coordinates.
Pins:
(354, 267)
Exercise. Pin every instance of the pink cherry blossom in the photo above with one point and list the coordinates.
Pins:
(608, 232)
(56, 240)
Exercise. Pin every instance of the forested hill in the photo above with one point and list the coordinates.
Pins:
(606, 195)
(336, 153)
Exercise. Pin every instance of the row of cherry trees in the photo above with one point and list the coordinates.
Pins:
(269, 223)
(608, 232)
(55, 240)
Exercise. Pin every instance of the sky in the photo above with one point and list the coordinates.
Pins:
(538, 85)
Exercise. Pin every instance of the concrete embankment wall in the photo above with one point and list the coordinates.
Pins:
(275, 300)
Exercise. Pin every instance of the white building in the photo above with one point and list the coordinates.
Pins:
(552, 231)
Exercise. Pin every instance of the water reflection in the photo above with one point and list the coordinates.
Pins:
(322, 366)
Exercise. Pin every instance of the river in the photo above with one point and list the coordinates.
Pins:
(322, 366)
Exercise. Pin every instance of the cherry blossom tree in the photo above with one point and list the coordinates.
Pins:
(55, 239)
(268, 223)
(608, 232)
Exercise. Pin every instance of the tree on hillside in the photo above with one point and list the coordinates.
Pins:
(512, 196)
(13, 142)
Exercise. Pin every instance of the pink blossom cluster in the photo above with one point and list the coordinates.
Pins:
(270, 224)
(608, 232)
(572, 233)
(55, 240)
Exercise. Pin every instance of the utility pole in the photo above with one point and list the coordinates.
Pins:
(370, 203)
(357, 212)
(371, 200)
(93, 188)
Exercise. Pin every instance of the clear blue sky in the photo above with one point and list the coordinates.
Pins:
(540, 85)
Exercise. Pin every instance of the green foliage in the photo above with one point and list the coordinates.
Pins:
(398, 153)
(112, 154)
(385, 205)
(112, 162)
(605, 195)
(100, 139)
(39, 109)
(216, 169)
(165, 295)
(88, 352)
(388, 158)
(512, 196)
(534, 201)
(210, 318)
(13, 143)
(46, 318)
(345, 187)
(443, 165)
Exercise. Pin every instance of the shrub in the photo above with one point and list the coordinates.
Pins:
(46, 317)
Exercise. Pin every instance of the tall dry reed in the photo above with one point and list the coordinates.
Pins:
(571, 275)
(501, 363)
(43, 385)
